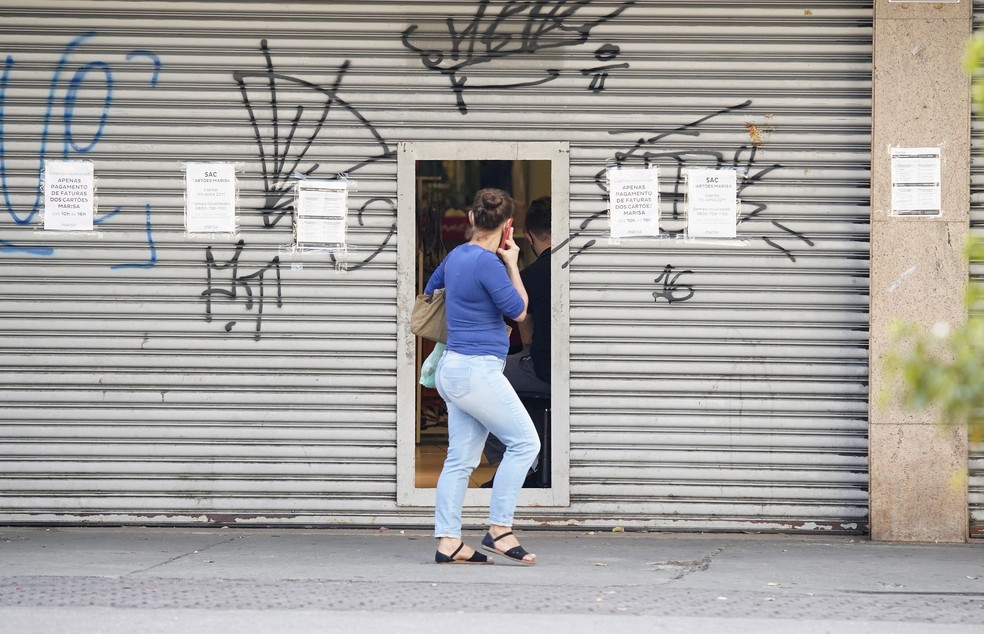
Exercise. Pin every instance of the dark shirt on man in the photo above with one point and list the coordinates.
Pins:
(536, 279)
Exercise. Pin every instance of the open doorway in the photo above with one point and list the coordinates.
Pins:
(444, 192)
(436, 184)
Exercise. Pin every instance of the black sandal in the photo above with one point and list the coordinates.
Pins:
(476, 558)
(516, 553)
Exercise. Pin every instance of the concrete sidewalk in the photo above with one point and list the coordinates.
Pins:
(299, 580)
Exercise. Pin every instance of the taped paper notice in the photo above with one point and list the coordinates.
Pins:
(210, 201)
(321, 212)
(712, 203)
(634, 198)
(69, 196)
(916, 182)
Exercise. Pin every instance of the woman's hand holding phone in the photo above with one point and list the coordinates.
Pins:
(506, 233)
(509, 255)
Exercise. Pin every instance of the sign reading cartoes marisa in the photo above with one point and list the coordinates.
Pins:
(712, 203)
(69, 195)
(634, 202)
(210, 198)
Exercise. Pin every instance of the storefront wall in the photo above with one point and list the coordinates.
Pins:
(153, 376)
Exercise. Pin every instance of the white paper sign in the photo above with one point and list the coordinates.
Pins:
(319, 231)
(69, 195)
(712, 203)
(634, 197)
(210, 198)
(916, 188)
(322, 207)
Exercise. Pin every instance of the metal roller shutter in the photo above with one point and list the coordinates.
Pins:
(721, 385)
(713, 385)
(122, 401)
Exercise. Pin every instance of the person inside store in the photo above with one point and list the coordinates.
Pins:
(480, 290)
(528, 370)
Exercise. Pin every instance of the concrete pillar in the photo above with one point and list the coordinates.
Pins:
(918, 271)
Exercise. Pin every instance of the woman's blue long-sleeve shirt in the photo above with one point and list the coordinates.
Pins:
(478, 292)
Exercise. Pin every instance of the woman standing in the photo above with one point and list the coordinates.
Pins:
(480, 289)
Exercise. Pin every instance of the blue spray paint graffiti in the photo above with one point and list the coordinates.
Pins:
(152, 260)
(84, 76)
(73, 90)
(153, 58)
(46, 126)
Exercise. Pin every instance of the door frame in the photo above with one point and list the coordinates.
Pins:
(558, 153)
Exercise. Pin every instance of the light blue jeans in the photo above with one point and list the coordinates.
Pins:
(480, 400)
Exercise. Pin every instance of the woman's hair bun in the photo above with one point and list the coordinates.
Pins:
(491, 208)
(491, 200)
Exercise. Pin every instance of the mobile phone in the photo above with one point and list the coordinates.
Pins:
(505, 233)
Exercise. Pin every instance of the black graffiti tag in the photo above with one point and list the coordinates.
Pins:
(295, 127)
(519, 28)
(238, 282)
(646, 151)
(671, 291)
(587, 245)
(392, 231)
(606, 53)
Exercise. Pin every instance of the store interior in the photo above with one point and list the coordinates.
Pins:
(445, 190)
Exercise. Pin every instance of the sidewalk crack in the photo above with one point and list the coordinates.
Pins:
(181, 556)
(691, 566)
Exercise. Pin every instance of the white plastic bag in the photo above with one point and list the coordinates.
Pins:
(429, 368)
